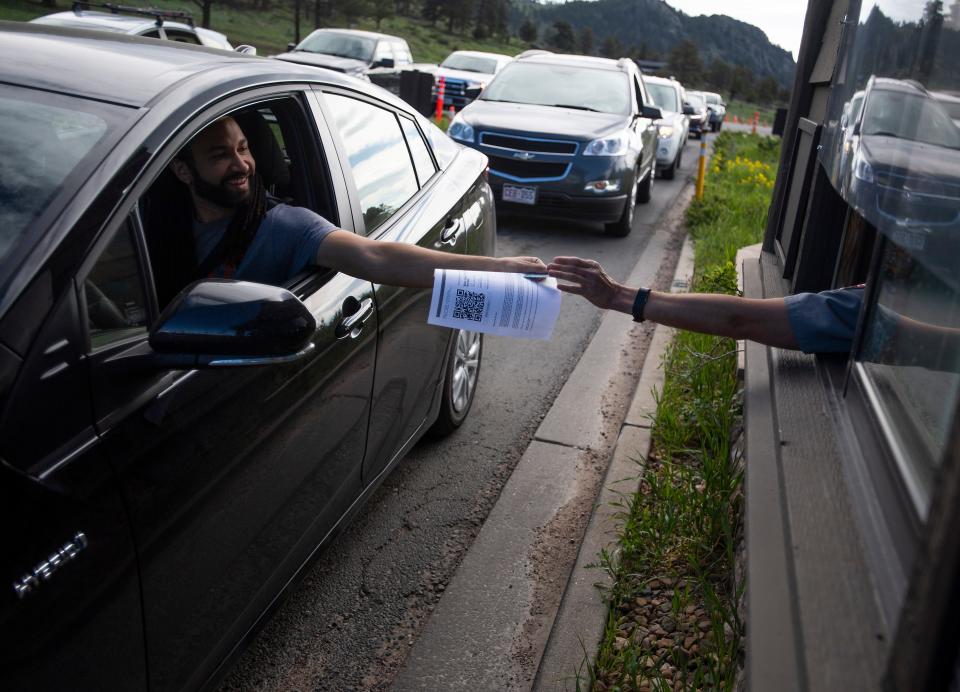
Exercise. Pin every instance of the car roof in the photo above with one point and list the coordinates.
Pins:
(573, 60)
(652, 79)
(105, 21)
(120, 68)
(366, 34)
(480, 54)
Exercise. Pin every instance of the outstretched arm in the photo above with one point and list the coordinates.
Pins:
(764, 321)
(400, 264)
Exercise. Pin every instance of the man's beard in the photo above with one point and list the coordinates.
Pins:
(221, 193)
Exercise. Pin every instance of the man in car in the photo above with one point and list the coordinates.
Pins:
(238, 232)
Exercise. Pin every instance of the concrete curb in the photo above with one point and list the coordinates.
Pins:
(582, 616)
(491, 628)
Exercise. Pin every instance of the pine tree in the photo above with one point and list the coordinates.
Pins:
(528, 31)
(586, 40)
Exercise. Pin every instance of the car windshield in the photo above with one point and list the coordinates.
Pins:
(44, 138)
(665, 96)
(695, 100)
(606, 91)
(909, 116)
(341, 45)
(470, 63)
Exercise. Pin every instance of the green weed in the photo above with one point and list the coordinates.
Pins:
(678, 533)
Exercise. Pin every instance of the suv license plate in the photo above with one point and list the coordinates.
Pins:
(516, 193)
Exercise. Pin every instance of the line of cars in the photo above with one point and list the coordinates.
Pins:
(163, 491)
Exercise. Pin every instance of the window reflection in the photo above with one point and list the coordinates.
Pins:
(378, 156)
(891, 148)
(911, 352)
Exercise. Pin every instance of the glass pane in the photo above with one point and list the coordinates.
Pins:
(890, 144)
(378, 156)
(607, 91)
(116, 304)
(336, 43)
(43, 139)
(665, 97)
(421, 157)
(911, 353)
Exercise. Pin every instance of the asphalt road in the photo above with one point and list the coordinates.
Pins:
(349, 624)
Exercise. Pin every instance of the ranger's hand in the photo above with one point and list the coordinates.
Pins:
(588, 279)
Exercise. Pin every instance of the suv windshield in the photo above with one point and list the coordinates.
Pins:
(908, 116)
(470, 63)
(341, 45)
(696, 101)
(607, 91)
(44, 138)
(665, 97)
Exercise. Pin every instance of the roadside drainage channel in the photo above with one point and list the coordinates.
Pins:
(492, 626)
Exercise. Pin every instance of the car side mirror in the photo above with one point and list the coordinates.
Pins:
(688, 109)
(651, 112)
(291, 46)
(384, 62)
(246, 49)
(218, 323)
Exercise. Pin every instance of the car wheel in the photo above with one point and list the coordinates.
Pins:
(459, 382)
(622, 226)
(670, 171)
(645, 189)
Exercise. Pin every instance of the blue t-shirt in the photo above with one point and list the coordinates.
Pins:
(825, 322)
(285, 244)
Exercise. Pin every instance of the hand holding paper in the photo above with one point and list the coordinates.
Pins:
(495, 303)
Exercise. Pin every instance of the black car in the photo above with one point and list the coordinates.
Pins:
(166, 475)
(365, 54)
(696, 108)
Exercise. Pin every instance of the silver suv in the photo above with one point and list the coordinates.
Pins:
(149, 23)
(567, 136)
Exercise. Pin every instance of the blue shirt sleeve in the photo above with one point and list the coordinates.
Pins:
(825, 322)
(285, 244)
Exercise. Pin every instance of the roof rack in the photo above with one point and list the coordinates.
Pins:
(158, 15)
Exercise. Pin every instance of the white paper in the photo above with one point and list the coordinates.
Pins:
(494, 303)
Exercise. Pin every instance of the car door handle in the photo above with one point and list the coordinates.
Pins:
(352, 326)
(448, 236)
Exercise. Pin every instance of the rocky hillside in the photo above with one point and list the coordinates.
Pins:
(656, 27)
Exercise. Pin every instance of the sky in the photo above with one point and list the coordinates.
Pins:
(780, 20)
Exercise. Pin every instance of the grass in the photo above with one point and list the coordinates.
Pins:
(679, 532)
(744, 112)
(271, 31)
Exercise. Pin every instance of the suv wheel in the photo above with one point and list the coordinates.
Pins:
(459, 382)
(622, 226)
(645, 188)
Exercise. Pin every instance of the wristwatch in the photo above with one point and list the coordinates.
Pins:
(639, 303)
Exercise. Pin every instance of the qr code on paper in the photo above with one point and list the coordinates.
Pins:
(469, 305)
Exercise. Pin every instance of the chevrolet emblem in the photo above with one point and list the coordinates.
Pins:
(525, 155)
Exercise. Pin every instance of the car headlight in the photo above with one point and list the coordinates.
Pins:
(665, 130)
(863, 170)
(615, 145)
(460, 131)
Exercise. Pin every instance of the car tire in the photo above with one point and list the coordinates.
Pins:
(645, 189)
(670, 172)
(460, 379)
(622, 226)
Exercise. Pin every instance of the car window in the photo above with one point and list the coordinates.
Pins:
(381, 165)
(383, 51)
(401, 53)
(153, 33)
(418, 149)
(291, 173)
(49, 144)
(182, 36)
(444, 148)
(114, 296)
(607, 91)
